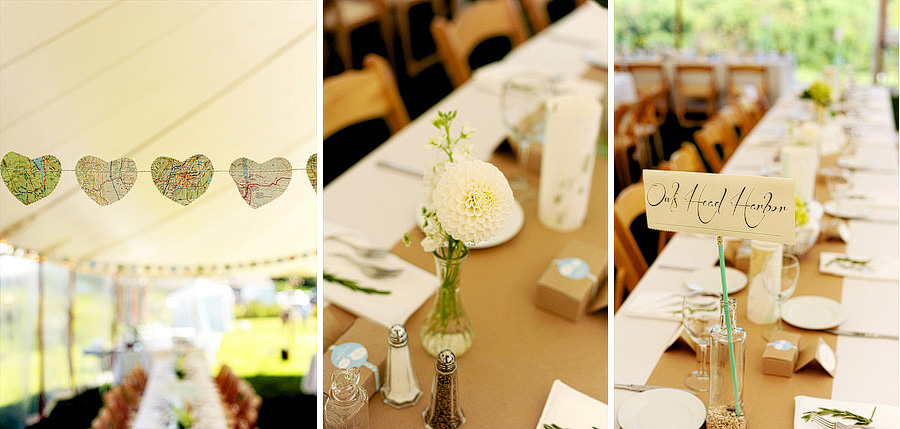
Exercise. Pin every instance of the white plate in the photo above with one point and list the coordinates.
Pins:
(850, 210)
(662, 409)
(513, 226)
(710, 280)
(813, 312)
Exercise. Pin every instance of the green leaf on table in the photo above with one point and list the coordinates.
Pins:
(352, 285)
(858, 419)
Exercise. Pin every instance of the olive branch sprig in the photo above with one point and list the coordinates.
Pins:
(858, 419)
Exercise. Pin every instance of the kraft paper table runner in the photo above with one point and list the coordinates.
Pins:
(519, 349)
(769, 399)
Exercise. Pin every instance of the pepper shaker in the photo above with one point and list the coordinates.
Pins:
(347, 405)
(401, 387)
(444, 411)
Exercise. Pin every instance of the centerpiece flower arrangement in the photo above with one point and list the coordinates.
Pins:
(467, 201)
(819, 92)
(806, 222)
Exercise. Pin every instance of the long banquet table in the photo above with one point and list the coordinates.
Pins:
(519, 349)
(867, 369)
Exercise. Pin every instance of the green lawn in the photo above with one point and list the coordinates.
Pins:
(253, 348)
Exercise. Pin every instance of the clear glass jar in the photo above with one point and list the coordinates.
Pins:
(443, 411)
(401, 387)
(725, 409)
(446, 326)
(347, 405)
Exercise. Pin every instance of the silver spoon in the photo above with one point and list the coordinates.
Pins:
(370, 270)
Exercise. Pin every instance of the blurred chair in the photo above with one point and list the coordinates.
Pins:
(717, 141)
(417, 45)
(648, 78)
(695, 87)
(685, 159)
(343, 17)
(736, 119)
(539, 14)
(358, 95)
(482, 20)
(740, 76)
(629, 260)
(623, 144)
(643, 126)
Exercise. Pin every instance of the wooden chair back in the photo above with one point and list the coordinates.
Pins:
(694, 82)
(687, 158)
(741, 75)
(629, 205)
(648, 77)
(716, 134)
(359, 95)
(482, 20)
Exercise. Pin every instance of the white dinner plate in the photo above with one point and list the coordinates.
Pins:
(813, 312)
(513, 226)
(849, 210)
(662, 409)
(710, 280)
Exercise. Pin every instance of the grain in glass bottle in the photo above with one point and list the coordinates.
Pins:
(443, 411)
(401, 387)
(723, 412)
(347, 405)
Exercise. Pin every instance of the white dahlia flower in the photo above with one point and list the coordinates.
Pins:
(473, 200)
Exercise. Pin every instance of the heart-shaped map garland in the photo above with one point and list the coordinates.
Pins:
(259, 184)
(311, 171)
(182, 182)
(105, 182)
(29, 180)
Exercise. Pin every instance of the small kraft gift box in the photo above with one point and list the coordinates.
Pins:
(570, 282)
(781, 354)
(363, 345)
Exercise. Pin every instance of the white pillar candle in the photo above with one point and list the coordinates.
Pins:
(765, 266)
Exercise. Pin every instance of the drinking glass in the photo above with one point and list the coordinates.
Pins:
(522, 105)
(699, 313)
(839, 184)
(790, 272)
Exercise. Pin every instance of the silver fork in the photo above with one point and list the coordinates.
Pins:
(373, 271)
(365, 252)
(822, 421)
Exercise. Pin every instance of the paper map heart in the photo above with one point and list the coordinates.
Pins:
(30, 180)
(259, 184)
(182, 182)
(105, 182)
(311, 171)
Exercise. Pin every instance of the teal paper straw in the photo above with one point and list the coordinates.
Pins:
(734, 383)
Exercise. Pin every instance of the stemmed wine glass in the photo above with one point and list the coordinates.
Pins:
(699, 313)
(839, 184)
(781, 291)
(522, 105)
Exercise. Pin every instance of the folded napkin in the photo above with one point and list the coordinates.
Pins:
(886, 416)
(569, 408)
(409, 290)
(657, 305)
(877, 268)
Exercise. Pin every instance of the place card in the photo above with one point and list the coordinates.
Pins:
(821, 353)
(758, 208)
(363, 345)
(780, 355)
(572, 279)
(681, 338)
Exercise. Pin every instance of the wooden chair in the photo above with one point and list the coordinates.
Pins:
(736, 119)
(649, 78)
(359, 95)
(686, 159)
(643, 127)
(623, 144)
(104, 420)
(713, 137)
(402, 8)
(629, 260)
(741, 75)
(538, 15)
(696, 92)
(482, 20)
(343, 17)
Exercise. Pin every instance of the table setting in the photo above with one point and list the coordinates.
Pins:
(816, 329)
(499, 260)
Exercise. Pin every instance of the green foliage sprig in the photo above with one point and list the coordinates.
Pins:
(352, 285)
(858, 419)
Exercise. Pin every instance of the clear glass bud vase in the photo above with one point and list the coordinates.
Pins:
(726, 410)
(447, 326)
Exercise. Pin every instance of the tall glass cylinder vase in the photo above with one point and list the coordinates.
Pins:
(447, 326)
(726, 409)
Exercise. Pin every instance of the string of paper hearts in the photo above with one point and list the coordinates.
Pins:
(30, 180)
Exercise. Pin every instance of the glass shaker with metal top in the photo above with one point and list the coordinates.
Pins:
(347, 405)
(401, 387)
(444, 411)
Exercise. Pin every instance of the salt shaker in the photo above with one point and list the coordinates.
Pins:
(444, 411)
(347, 405)
(401, 388)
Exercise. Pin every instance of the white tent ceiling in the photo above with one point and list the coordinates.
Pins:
(144, 79)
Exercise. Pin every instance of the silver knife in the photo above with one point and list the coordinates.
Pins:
(646, 387)
(862, 334)
(400, 168)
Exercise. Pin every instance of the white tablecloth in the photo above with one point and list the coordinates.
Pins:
(390, 198)
(163, 389)
(871, 305)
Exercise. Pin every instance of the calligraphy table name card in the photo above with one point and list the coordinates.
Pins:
(758, 208)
